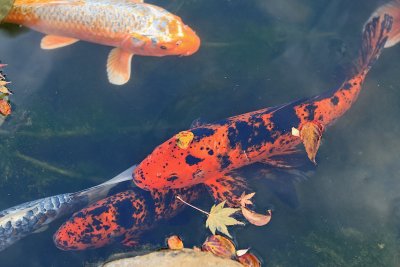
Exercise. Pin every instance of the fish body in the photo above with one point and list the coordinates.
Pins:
(22, 220)
(35, 216)
(133, 27)
(217, 150)
(121, 217)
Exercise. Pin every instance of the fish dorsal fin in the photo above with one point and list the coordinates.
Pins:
(55, 41)
(100, 191)
(197, 123)
(119, 66)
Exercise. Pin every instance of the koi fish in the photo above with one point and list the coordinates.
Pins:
(211, 153)
(121, 217)
(35, 216)
(131, 26)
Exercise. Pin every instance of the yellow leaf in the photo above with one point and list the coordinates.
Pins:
(219, 218)
(183, 139)
(310, 134)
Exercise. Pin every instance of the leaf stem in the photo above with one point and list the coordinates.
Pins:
(194, 207)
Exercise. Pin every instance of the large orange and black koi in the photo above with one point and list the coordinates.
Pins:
(211, 153)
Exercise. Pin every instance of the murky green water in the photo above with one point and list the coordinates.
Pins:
(71, 129)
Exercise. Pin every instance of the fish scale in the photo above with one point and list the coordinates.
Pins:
(93, 18)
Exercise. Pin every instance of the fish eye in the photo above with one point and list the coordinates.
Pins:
(163, 47)
(178, 42)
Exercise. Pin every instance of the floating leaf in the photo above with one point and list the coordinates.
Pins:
(256, 218)
(219, 218)
(241, 252)
(249, 260)
(245, 199)
(310, 134)
(183, 139)
(220, 246)
(174, 242)
(5, 90)
(5, 108)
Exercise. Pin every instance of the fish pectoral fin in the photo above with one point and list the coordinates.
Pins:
(119, 66)
(227, 188)
(41, 229)
(55, 41)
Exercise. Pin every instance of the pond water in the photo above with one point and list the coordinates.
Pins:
(71, 129)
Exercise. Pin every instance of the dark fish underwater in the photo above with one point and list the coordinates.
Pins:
(210, 154)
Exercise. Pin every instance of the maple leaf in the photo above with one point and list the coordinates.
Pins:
(245, 199)
(220, 217)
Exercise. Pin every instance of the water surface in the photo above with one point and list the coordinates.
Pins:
(71, 129)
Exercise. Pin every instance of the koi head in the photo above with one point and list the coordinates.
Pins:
(171, 165)
(169, 36)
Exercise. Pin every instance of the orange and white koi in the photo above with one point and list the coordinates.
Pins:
(131, 26)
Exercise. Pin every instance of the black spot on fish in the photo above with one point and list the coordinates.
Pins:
(224, 161)
(124, 212)
(252, 133)
(346, 86)
(285, 117)
(98, 211)
(311, 109)
(191, 160)
(211, 152)
(335, 100)
(202, 132)
(172, 178)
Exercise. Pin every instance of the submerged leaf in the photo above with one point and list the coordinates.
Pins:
(249, 260)
(219, 246)
(175, 242)
(5, 107)
(245, 199)
(256, 218)
(310, 134)
(183, 139)
(219, 218)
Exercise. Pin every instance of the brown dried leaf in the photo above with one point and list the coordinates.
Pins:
(310, 134)
(5, 108)
(249, 260)
(256, 218)
(245, 199)
(220, 246)
(183, 139)
(175, 242)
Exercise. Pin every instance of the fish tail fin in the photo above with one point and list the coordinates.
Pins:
(100, 191)
(393, 10)
(376, 33)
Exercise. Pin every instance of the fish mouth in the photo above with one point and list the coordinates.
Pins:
(189, 44)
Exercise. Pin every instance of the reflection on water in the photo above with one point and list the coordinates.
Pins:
(72, 129)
